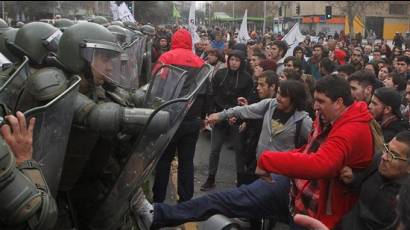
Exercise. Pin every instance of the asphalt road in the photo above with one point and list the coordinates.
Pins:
(225, 178)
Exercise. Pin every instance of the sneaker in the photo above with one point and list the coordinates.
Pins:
(209, 184)
(144, 214)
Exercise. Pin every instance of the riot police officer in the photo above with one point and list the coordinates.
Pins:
(25, 200)
(93, 162)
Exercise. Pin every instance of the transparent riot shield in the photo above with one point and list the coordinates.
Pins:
(152, 141)
(137, 48)
(51, 132)
(165, 85)
(131, 64)
(12, 89)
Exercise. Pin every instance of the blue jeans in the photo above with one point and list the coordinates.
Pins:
(256, 200)
(183, 142)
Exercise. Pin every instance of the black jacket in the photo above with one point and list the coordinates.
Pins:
(228, 85)
(376, 208)
(394, 128)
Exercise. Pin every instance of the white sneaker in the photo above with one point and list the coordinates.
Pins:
(144, 214)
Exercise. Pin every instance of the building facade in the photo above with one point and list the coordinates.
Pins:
(385, 18)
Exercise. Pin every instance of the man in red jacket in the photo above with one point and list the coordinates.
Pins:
(341, 137)
(184, 140)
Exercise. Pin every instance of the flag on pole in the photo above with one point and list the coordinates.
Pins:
(192, 26)
(175, 12)
(243, 35)
(114, 10)
(124, 13)
(293, 38)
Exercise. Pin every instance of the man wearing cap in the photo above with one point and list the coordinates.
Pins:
(385, 108)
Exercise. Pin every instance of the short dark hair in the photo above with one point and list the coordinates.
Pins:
(375, 66)
(295, 90)
(398, 80)
(404, 59)
(271, 78)
(296, 62)
(281, 45)
(404, 137)
(258, 53)
(365, 79)
(346, 68)
(318, 46)
(327, 64)
(297, 48)
(334, 88)
(292, 74)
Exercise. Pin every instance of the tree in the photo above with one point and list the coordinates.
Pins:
(354, 8)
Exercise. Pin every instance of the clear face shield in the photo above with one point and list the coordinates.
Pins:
(53, 40)
(110, 64)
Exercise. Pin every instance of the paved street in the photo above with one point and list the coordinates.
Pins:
(225, 178)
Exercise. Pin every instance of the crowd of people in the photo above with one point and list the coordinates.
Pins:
(323, 132)
(321, 125)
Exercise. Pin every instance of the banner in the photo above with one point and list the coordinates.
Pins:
(243, 35)
(192, 26)
(114, 10)
(175, 12)
(124, 13)
(293, 38)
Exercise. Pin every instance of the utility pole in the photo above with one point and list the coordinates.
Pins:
(96, 8)
(264, 17)
(133, 8)
(209, 14)
(233, 13)
(2, 10)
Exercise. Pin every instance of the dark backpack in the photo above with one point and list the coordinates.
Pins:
(299, 141)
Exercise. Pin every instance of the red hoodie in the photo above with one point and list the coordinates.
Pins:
(349, 143)
(181, 51)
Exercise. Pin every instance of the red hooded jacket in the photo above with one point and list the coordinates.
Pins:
(349, 143)
(181, 51)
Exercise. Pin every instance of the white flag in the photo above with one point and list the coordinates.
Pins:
(243, 35)
(192, 26)
(114, 10)
(293, 38)
(124, 13)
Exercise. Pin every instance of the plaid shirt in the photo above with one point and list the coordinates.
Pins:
(306, 202)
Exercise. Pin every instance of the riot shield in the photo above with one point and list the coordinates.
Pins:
(12, 89)
(131, 67)
(165, 85)
(152, 142)
(137, 48)
(51, 133)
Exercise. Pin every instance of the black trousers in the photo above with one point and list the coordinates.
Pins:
(183, 143)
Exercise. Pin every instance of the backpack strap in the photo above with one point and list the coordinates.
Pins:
(298, 140)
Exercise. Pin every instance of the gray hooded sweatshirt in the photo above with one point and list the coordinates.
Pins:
(281, 140)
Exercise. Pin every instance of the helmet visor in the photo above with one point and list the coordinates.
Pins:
(53, 40)
(114, 66)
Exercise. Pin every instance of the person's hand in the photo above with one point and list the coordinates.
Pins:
(242, 127)
(19, 137)
(203, 125)
(264, 175)
(232, 120)
(309, 222)
(212, 119)
(242, 101)
(346, 175)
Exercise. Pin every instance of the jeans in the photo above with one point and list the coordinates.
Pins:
(257, 200)
(218, 136)
(183, 143)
